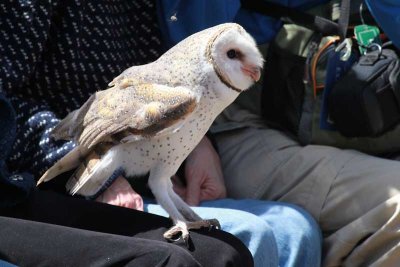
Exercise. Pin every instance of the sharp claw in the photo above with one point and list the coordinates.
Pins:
(171, 237)
(185, 237)
(213, 223)
(181, 229)
(172, 234)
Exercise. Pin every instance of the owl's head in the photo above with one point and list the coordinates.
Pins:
(235, 57)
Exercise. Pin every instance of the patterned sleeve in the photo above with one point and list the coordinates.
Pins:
(34, 151)
(55, 54)
(24, 33)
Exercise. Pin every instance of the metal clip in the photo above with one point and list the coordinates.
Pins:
(374, 47)
(344, 48)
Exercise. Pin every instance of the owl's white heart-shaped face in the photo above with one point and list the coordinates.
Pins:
(236, 58)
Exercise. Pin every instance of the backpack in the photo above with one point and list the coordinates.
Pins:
(310, 93)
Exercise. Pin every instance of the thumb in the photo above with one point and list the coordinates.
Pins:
(137, 201)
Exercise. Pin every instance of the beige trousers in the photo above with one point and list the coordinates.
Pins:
(354, 197)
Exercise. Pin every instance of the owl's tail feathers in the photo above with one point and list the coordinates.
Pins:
(68, 162)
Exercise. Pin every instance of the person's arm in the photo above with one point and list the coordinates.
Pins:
(34, 150)
(27, 26)
(13, 188)
(177, 19)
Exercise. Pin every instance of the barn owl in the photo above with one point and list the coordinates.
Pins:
(153, 115)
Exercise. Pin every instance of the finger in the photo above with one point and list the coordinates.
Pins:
(137, 202)
(132, 199)
(193, 191)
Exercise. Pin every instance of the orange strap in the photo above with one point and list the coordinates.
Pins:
(315, 63)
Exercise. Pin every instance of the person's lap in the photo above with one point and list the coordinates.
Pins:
(297, 235)
(56, 210)
(277, 234)
(353, 196)
(29, 243)
(252, 231)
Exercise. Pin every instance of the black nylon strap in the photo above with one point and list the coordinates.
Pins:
(343, 23)
(324, 26)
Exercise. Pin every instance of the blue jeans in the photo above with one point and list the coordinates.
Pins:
(277, 234)
(6, 264)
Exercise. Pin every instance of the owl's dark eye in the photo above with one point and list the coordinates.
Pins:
(231, 54)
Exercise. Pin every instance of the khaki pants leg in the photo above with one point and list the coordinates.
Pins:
(354, 197)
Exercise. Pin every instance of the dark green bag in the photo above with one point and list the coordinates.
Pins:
(289, 102)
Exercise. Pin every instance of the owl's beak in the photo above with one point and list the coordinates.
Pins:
(253, 71)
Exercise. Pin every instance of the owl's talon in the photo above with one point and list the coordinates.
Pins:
(183, 228)
(178, 231)
(213, 223)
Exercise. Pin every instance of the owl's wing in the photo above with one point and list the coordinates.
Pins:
(128, 111)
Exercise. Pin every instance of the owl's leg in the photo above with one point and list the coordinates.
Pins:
(160, 184)
(183, 217)
(183, 207)
(193, 221)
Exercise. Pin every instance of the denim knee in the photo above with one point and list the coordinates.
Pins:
(298, 237)
(6, 264)
(300, 234)
(254, 232)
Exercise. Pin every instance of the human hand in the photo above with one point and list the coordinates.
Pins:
(203, 175)
(120, 193)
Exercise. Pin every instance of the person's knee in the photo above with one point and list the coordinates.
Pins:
(256, 234)
(251, 226)
(301, 232)
(235, 220)
(267, 215)
(297, 223)
(286, 218)
(304, 223)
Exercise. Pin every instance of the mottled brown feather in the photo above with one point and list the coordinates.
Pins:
(141, 109)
